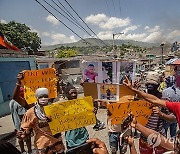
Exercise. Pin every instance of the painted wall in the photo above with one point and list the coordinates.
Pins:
(9, 68)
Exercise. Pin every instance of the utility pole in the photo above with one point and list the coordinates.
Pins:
(114, 37)
(162, 52)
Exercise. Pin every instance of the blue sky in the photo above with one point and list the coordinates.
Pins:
(141, 20)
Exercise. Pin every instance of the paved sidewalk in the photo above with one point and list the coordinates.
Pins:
(6, 127)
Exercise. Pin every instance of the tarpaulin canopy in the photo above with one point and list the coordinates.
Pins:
(7, 44)
(174, 61)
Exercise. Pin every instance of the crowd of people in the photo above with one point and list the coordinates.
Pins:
(30, 120)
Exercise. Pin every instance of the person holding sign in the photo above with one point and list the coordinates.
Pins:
(18, 107)
(36, 119)
(18, 93)
(114, 132)
(174, 107)
(17, 112)
(77, 136)
(156, 139)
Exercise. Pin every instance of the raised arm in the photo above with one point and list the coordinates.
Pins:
(155, 136)
(150, 98)
(168, 117)
(16, 94)
(131, 145)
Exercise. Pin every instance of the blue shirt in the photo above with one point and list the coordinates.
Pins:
(171, 94)
(76, 137)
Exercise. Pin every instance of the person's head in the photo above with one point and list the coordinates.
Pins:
(170, 81)
(177, 143)
(70, 91)
(42, 96)
(152, 82)
(91, 68)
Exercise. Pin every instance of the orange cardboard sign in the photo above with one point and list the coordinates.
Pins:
(34, 79)
(140, 109)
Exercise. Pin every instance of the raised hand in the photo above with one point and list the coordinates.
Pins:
(20, 76)
(100, 147)
(127, 82)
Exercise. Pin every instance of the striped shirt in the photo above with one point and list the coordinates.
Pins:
(155, 122)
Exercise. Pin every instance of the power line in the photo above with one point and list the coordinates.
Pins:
(61, 22)
(108, 8)
(67, 12)
(65, 16)
(114, 8)
(120, 12)
(70, 16)
(109, 11)
(84, 22)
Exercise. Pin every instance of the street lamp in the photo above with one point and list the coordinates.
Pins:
(162, 52)
(114, 37)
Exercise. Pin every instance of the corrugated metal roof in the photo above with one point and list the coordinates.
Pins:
(171, 61)
(176, 62)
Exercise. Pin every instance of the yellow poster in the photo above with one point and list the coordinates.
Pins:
(140, 109)
(34, 79)
(70, 114)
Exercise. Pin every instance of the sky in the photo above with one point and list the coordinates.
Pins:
(153, 21)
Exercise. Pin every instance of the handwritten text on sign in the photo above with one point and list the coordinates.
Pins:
(140, 109)
(34, 79)
(71, 114)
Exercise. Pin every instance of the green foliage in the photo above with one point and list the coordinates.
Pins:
(20, 35)
(66, 53)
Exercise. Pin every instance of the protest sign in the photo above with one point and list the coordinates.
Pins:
(70, 114)
(90, 89)
(34, 79)
(108, 92)
(125, 68)
(140, 109)
(90, 71)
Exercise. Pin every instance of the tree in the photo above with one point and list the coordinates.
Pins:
(20, 35)
(67, 53)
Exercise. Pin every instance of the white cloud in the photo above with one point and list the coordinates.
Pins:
(130, 28)
(45, 34)
(136, 37)
(172, 36)
(154, 37)
(147, 27)
(154, 29)
(105, 35)
(61, 38)
(96, 19)
(52, 20)
(3, 21)
(72, 38)
(105, 22)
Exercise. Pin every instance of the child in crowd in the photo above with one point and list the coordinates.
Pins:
(114, 134)
(77, 136)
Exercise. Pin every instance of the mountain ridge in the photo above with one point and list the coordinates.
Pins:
(97, 42)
